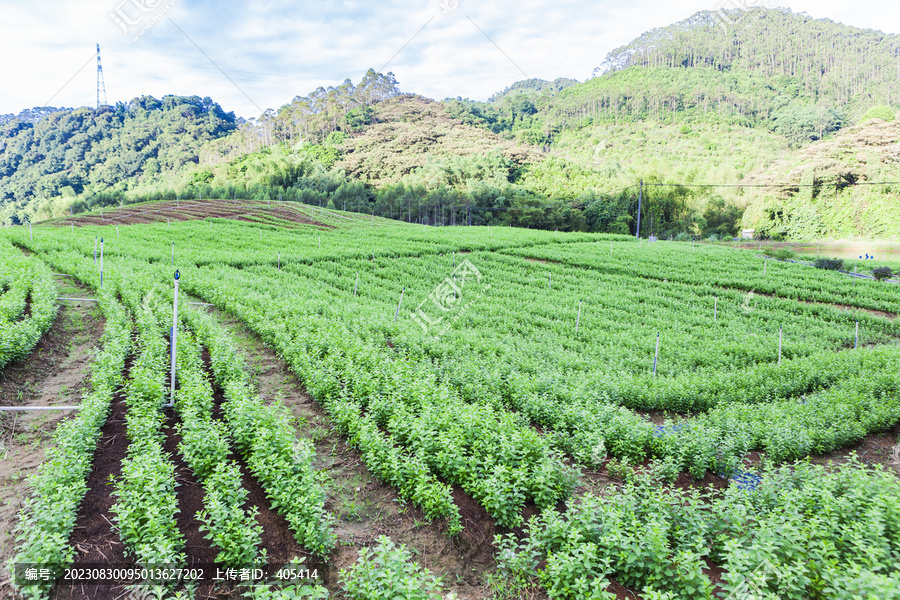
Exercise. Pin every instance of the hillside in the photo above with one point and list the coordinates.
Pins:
(48, 164)
(690, 109)
(834, 197)
(409, 132)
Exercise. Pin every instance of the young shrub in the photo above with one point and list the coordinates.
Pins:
(386, 573)
(829, 264)
(880, 273)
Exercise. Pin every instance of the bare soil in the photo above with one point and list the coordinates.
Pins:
(364, 507)
(55, 373)
(187, 210)
(93, 537)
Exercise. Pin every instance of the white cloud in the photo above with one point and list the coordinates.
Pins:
(274, 50)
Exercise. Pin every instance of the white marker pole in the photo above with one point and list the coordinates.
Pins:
(95, 250)
(30, 234)
(765, 266)
(397, 314)
(856, 343)
(174, 337)
(578, 318)
(356, 285)
(780, 333)
(279, 261)
(117, 231)
(101, 262)
(656, 356)
(716, 309)
(550, 284)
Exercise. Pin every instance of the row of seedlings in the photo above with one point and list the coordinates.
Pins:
(59, 485)
(146, 506)
(264, 435)
(205, 446)
(406, 472)
(23, 278)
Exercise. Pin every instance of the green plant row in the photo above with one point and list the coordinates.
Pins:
(282, 463)
(857, 406)
(391, 464)
(59, 485)
(720, 267)
(24, 278)
(205, 446)
(146, 506)
(498, 461)
(807, 533)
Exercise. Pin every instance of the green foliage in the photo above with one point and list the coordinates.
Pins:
(881, 273)
(96, 155)
(59, 484)
(386, 572)
(885, 113)
(806, 532)
(23, 280)
(830, 264)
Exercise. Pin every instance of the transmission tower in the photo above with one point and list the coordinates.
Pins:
(100, 81)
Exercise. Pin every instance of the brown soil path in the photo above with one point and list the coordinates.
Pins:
(364, 507)
(55, 373)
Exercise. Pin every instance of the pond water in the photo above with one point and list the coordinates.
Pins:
(880, 253)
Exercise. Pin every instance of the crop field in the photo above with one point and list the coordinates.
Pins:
(460, 412)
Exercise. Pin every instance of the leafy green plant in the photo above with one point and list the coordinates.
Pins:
(881, 273)
(829, 264)
(386, 572)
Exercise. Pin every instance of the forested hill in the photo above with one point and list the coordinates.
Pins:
(87, 152)
(817, 59)
(718, 99)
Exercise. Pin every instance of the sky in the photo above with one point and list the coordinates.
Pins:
(260, 54)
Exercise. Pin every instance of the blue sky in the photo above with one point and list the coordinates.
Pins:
(273, 50)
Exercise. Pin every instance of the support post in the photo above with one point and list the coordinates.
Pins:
(174, 339)
(101, 262)
(640, 197)
(656, 356)
(578, 318)
(397, 314)
(716, 309)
